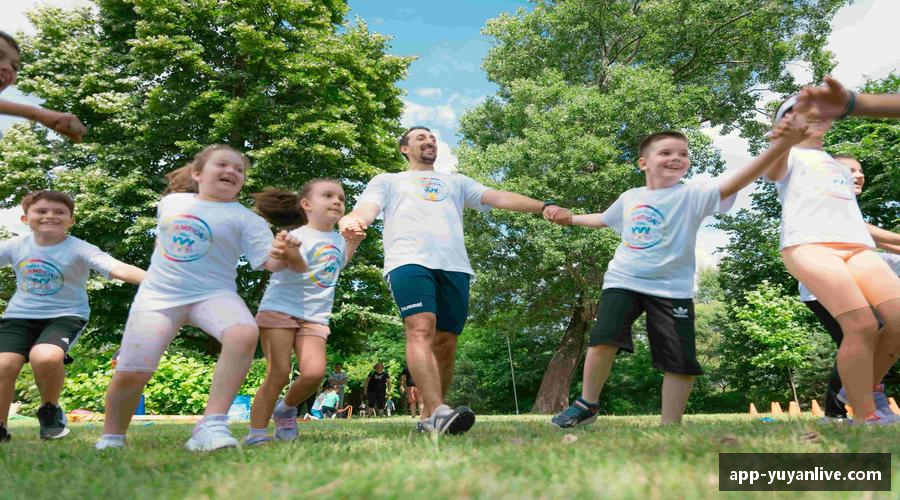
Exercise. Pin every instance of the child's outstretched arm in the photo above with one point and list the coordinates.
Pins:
(772, 161)
(884, 239)
(589, 220)
(127, 273)
(518, 203)
(353, 240)
(65, 124)
(285, 254)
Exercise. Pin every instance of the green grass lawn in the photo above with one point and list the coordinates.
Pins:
(502, 456)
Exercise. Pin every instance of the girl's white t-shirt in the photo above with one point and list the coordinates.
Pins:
(423, 217)
(198, 246)
(309, 295)
(817, 201)
(50, 280)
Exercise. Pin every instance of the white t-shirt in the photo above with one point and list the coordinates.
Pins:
(659, 232)
(423, 217)
(892, 259)
(817, 202)
(308, 295)
(198, 246)
(50, 279)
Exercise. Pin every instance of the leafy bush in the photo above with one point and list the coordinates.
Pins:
(179, 387)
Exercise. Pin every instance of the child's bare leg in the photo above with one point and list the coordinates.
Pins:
(855, 358)
(49, 371)
(122, 398)
(238, 344)
(887, 349)
(277, 344)
(10, 365)
(675, 391)
(597, 365)
(311, 359)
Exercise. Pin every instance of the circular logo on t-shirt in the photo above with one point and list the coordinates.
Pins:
(430, 188)
(40, 277)
(324, 264)
(184, 238)
(645, 227)
(834, 180)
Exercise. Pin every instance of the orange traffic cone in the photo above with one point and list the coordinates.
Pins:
(794, 409)
(776, 408)
(894, 407)
(753, 411)
(816, 410)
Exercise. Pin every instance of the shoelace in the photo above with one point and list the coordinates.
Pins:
(575, 411)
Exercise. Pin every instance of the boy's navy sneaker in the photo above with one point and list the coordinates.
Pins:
(4, 434)
(580, 412)
(53, 421)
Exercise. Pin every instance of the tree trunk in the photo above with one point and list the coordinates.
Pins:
(553, 395)
(793, 387)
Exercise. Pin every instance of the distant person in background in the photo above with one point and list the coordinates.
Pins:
(65, 124)
(413, 397)
(376, 388)
(338, 380)
(330, 401)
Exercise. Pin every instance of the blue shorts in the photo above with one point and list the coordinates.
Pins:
(418, 289)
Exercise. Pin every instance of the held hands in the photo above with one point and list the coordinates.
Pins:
(558, 215)
(65, 124)
(790, 129)
(286, 247)
(352, 228)
(832, 100)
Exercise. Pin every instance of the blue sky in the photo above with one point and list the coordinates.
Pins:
(447, 79)
(445, 37)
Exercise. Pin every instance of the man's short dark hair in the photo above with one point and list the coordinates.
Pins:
(404, 139)
(650, 139)
(9, 39)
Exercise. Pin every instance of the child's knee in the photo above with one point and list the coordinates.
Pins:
(130, 380)
(859, 323)
(46, 356)
(604, 350)
(10, 365)
(244, 337)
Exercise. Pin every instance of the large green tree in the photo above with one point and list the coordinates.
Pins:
(580, 83)
(303, 92)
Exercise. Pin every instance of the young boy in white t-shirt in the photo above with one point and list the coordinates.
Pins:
(653, 269)
(50, 308)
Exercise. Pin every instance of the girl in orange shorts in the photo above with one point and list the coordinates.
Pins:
(827, 246)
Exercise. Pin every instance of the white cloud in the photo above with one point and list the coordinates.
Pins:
(429, 92)
(14, 19)
(441, 115)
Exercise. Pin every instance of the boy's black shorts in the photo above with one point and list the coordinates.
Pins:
(670, 328)
(19, 335)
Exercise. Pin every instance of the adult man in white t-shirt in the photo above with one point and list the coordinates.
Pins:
(426, 264)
